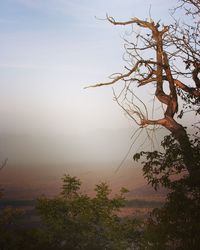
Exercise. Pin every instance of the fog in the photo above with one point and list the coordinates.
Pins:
(101, 146)
(50, 125)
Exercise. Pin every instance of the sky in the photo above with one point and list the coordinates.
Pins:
(50, 50)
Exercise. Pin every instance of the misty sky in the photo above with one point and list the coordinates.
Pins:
(50, 50)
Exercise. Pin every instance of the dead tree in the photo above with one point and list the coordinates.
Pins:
(153, 57)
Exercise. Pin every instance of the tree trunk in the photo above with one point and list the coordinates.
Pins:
(179, 133)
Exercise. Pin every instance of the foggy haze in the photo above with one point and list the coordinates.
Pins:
(51, 50)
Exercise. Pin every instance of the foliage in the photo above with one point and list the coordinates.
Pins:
(176, 225)
(76, 221)
(138, 203)
(8, 224)
(72, 221)
(8, 221)
(167, 168)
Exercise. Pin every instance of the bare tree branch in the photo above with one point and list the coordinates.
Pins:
(154, 57)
